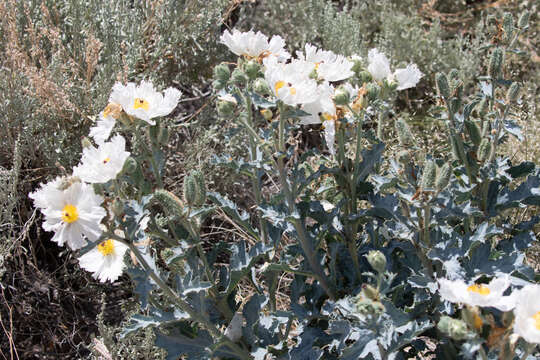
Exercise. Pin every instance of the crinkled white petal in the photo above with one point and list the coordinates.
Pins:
(456, 291)
(408, 77)
(101, 164)
(105, 267)
(296, 86)
(46, 193)
(527, 306)
(378, 65)
(330, 66)
(103, 128)
(323, 105)
(253, 44)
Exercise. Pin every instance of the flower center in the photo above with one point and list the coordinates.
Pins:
(106, 160)
(70, 213)
(106, 247)
(141, 104)
(279, 85)
(536, 318)
(292, 91)
(479, 289)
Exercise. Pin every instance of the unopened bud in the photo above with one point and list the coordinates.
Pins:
(238, 77)
(252, 69)
(130, 165)
(523, 21)
(357, 63)
(342, 96)
(364, 77)
(443, 177)
(373, 91)
(219, 85)
(508, 25)
(512, 93)
(377, 260)
(85, 142)
(260, 86)
(429, 175)
(483, 150)
(404, 157)
(404, 133)
(454, 328)
(222, 73)
(171, 203)
(495, 63)
(442, 85)
(267, 114)
(225, 108)
(473, 131)
(190, 190)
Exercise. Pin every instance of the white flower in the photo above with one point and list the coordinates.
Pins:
(254, 45)
(101, 164)
(330, 135)
(378, 65)
(329, 66)
(74, 214)
(143, 101)
(105, 261)
(323, 106)
(457, 291)
(106, 122)
(408, 77)
(527, 313)
(290, 82)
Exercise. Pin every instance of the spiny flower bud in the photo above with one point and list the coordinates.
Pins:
(454, 328)
(429, 175)
(130, 165)
(495, 63)
(222, 73)
(260, 86)
(200, 193)
(170, 202)
(357, 64)
(85, 142)
(508, 25)
(404, 133)
(523, 20)
(404, 157)
(225, 108)
(238, 77)
(252, 69)
(341, 96)
(373, 91)
(443, 177)
(512, 93)
(219, 85)
(377, 260)
(190, 190)
(473, 131)
(483, 150)
(442, 85)
(364, 76)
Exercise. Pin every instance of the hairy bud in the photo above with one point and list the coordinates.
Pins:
(512, 93)
(373, 91)
(364, 76)
(238, 77)
(252, 69)
(222, 73)
(225, 108)
(130, 165)
(404, 133)
(341, 96)
(190, 190)
(404, 157)
(483, 150)
(495, 63)
(429, 175)
(260, 86)
(172, 205)
(508, 25)
(377, 260)
(454, 328)
(443, 177)
(219, 85)
(473, 131)
(442, 85)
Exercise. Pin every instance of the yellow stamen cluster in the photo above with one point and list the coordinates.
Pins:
(281, 84)
(106, 160)
(70, 213)
(479, 289)
(141, 104)
(106, 247)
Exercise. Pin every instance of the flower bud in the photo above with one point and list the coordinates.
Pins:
(267, 114)
(508, 25)
(512, 93)
(523, 20)
(454, 328)
(252, 69)
(483, 150)
(364, 76)
(190, 190)
(443, 177)
(85, 142)
(225, 108)
(377, 260)
(404, 157)
(341, 96)
(130, 165)
(404, 133)
(171, 203)
(373, 91)
(219, 85)
(429, 175)
(495, 63)
(222, 73)
(473, 131)
(442, 85)
(370, 292)
(117, 208)
(238, 77)
(260, 86)
(357, 63)
(200, 193)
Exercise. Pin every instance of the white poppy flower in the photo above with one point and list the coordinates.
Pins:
(329, 66)
(107, 119)
(105, 261)
(323, 107)
(101, 164)
(378, 65)
(143, 101)
(47, 193)
(254, 45)
(457, 291)
(290, 82)
(527, 313)
(74, 214)
(408, 77)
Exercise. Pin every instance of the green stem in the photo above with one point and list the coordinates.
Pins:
(427, 219)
